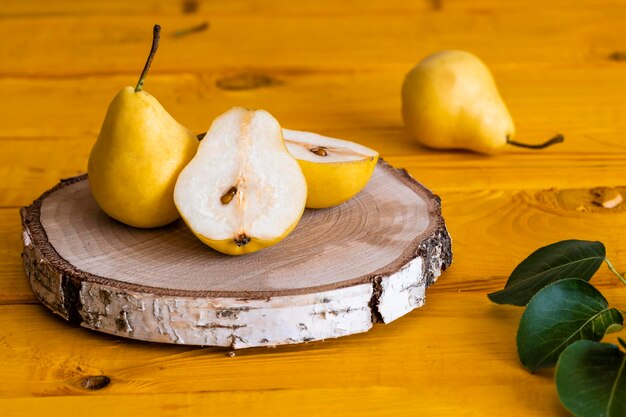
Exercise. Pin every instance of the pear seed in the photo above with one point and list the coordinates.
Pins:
(241, 240)
(319, 150)
(227, 197)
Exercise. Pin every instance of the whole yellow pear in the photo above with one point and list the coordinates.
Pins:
(450, 101)
(134, 164)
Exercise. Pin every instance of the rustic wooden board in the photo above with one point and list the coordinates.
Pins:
(342, 269)
(338, 68)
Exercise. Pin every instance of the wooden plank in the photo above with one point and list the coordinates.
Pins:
(45, 357)
(469, 401)
(14, 287)
(585, 104)
(111, 46)
(338, 67)
(524, 221)
(515, 223)
(381, 401)
(439, 171)
(43, 8)
(50, 366)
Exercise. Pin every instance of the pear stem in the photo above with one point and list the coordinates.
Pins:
(557, 139)
(613, 270)
(156, 34)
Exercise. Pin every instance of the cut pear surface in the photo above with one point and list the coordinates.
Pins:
(335, 169)
(242, 191)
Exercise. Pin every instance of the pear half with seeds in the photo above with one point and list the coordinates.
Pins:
(335, 169)
(242, 191)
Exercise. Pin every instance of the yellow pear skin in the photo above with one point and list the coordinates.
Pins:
(227, 247)
(335, 169)
(134, 164)
(332, 184)
(450, 101)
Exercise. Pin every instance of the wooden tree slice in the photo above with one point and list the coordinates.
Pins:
(368, 260)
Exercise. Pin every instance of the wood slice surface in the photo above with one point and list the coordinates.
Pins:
(342, 269)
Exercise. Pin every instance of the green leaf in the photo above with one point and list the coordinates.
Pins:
(614, 328)
(560, 314)
(565, 259)
(591, 379)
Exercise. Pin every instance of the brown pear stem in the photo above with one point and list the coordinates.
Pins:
(156, 34)
(557, 139)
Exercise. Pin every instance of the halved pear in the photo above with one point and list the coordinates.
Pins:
(335, 169)
(242, 191)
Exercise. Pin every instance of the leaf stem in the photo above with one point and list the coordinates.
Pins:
(557, 139)
(156, 34)
(613, 270)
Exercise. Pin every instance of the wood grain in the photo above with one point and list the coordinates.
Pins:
(524, 218)
(344, 245)
(316, 41)
(341, 269)
(151, 374)
(577, 100)
(43, 8)
(336, 68)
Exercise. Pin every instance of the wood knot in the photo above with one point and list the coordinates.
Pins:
(436, 5)
(606, 197)
(246, 81)
(594, 200)
(618, 56)
(95, 382)
(190, 30)
(190, 6)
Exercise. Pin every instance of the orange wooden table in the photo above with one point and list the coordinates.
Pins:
(335, 68)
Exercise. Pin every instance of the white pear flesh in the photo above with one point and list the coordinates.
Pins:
(302, 145)
(335, 169)
(242, 151)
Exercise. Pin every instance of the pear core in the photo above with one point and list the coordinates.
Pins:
(242, 191)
